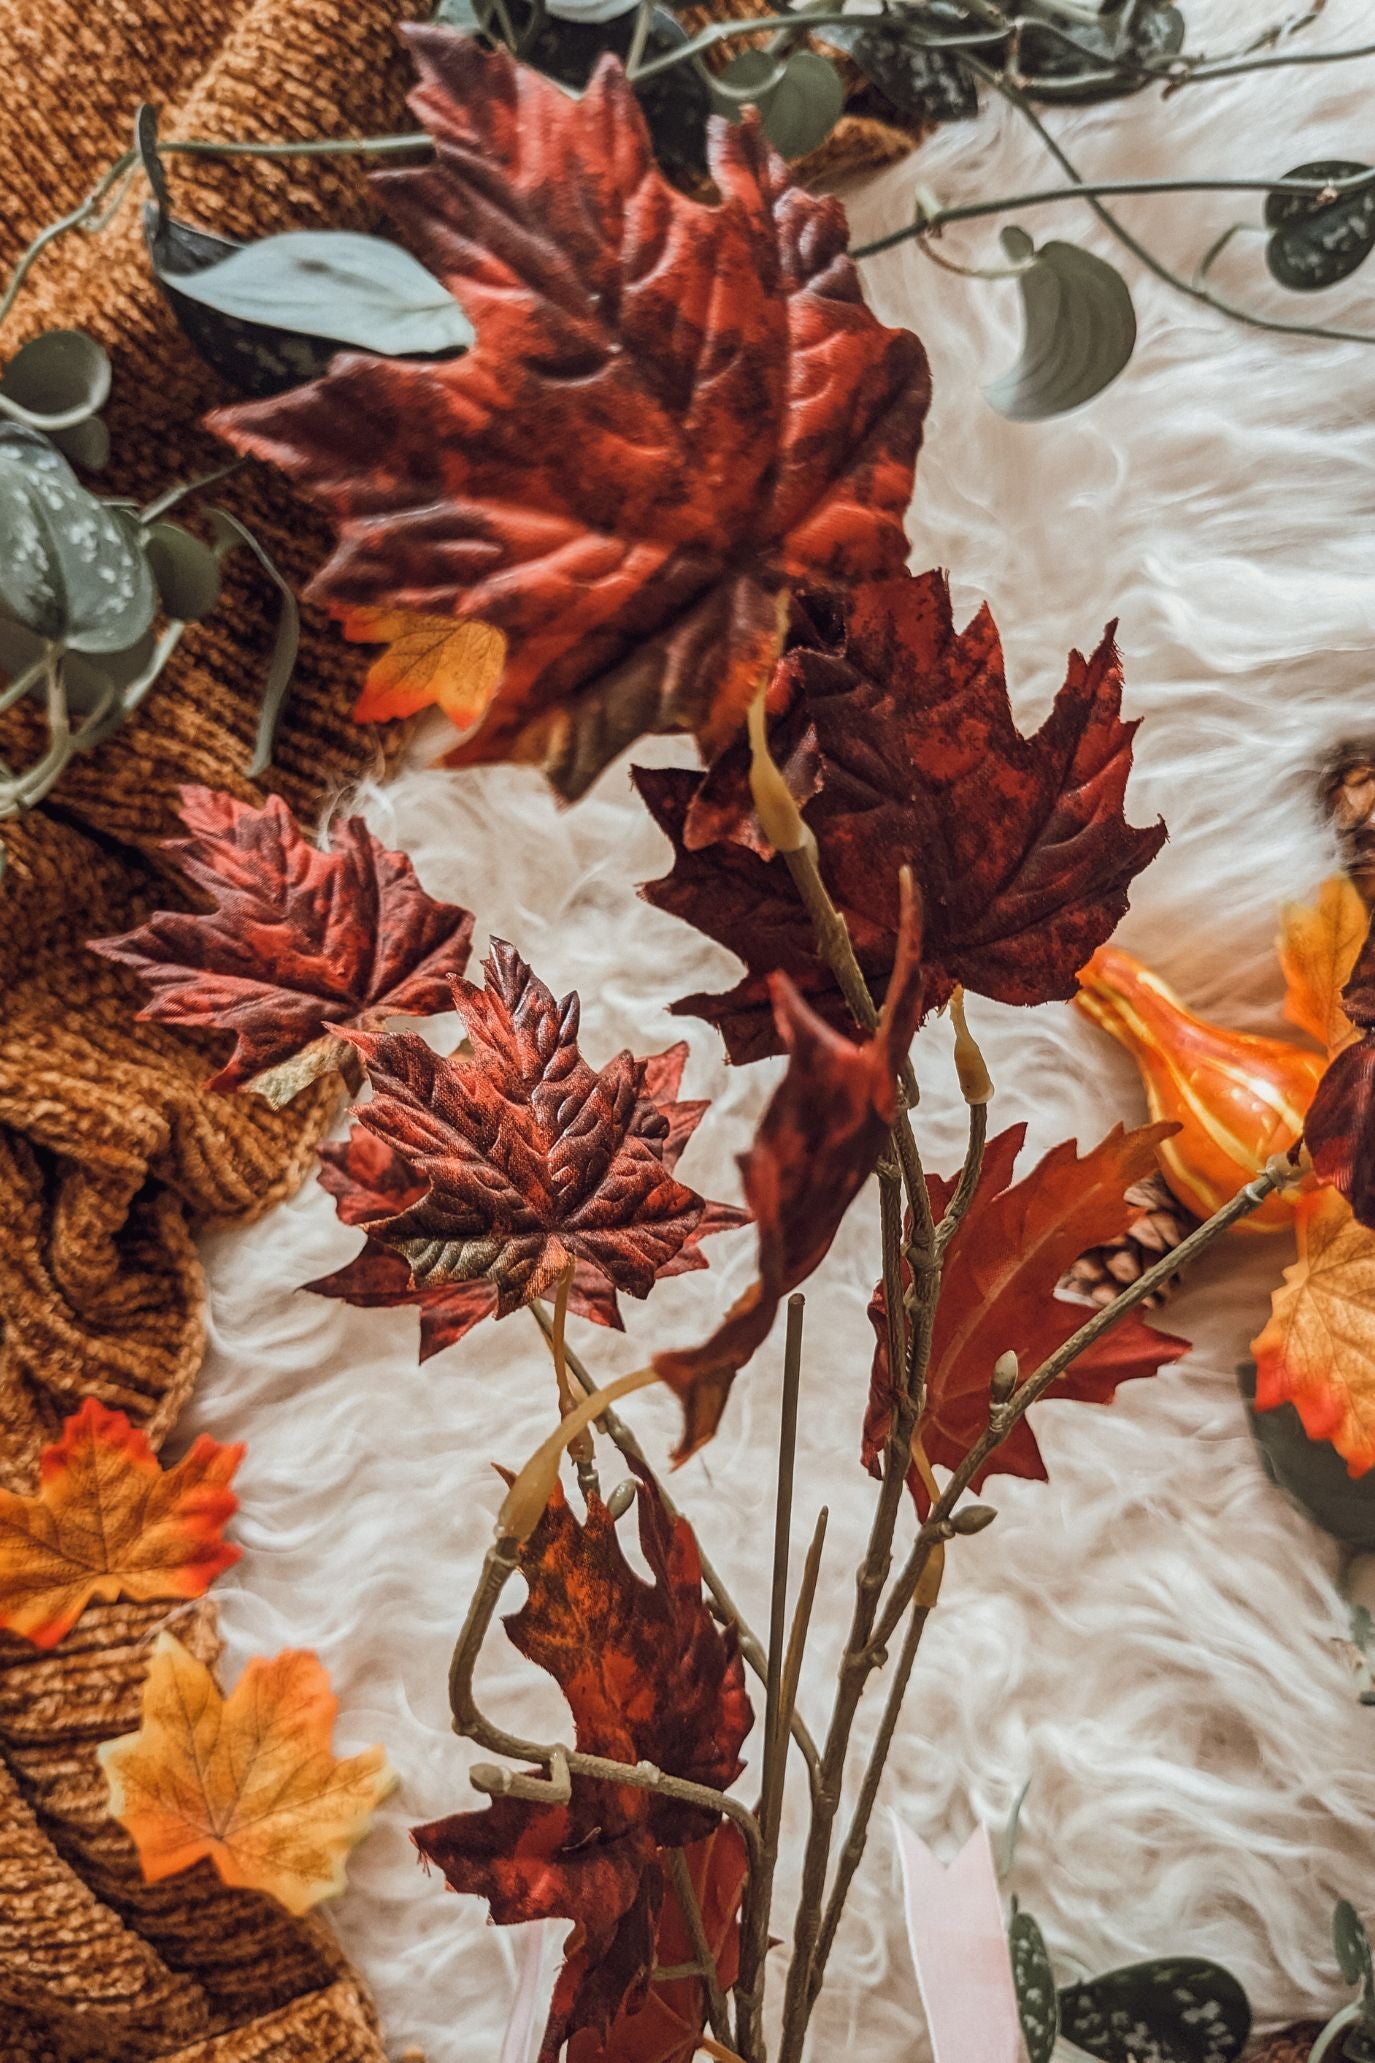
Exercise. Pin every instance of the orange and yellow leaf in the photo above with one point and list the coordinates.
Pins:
(107, 1521)
(451, 662)
(249, 1780)
(1318, 946)
(1318, 1350)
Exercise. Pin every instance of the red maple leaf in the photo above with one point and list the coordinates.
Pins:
(369, 1181)
(672, 411)
(998, 1291)
(299, 942)
(1340, 1131)
(525, 1160)
(814, 1150)
(649, 1676)
(667, 2026)
(896, 730)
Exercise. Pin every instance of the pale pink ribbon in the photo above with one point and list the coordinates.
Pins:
(959, 1945)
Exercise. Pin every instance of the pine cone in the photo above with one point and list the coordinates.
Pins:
(1157, 1226)
(1287, 2045)
(1348, 792)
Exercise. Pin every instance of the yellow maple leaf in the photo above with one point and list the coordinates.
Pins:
(248, 1780)
(1318, 1349)
(454, 664)
(108, 1521)
(1318, 946)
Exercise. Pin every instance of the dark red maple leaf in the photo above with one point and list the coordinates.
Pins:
(672, 411)
(896, 730)
(667, 2027)
(370, 1181)
(1340, 1130)
(998, 1291)
(649, 1676)
(526, 1160)
(814, 1150)
(299, 942)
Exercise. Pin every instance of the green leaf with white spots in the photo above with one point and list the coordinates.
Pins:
(72, 569)
(1034, 1981)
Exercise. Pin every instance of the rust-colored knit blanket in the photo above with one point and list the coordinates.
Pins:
(110, 1153)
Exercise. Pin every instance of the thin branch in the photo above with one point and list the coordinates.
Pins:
(754, 1925)
(958, 1207)
(1004, 1417)
(717, 2010)
(621, 1436)
(852, 1851)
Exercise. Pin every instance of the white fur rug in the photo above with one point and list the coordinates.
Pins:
(1150, 1639)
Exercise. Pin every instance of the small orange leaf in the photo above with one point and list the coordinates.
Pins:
(1318, 1350)
(1318, 947)
(107, 1521)
(451, 662)
(248, 1780)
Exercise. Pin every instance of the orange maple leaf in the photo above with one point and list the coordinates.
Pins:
(107, 1521)
(1318, 946)
(1318, 1350)
(451, 662)
(249, 1780)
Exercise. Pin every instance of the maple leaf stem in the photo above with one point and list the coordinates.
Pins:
(705, 1963)
(581, 1451)
(1004, 1417)
(621, 1436)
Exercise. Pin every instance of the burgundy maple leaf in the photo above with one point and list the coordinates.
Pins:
(525, 1161)
(370, 1181)
(299, 943)
(649, 1676)
(814, 1150)
(998, 1290)
(1340, 1131)
(896, 731)
(672, 411)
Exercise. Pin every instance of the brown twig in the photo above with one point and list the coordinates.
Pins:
(717, 2010)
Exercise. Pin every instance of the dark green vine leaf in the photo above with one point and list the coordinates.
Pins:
(798, 106)
(1034, 1981)
(86, 444)
(1351, 1945)
(590, 10)
(1311, 1471)
(1068, 62)
(676, 103)
(56, 381)
(257, 358)
(1080, 330)
(335, 283)
(920, 83)
(1316, 243)
(1175, 2010)
(71, 568)
(187, 572)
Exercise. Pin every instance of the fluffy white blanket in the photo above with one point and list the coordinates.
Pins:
(1151, 1640)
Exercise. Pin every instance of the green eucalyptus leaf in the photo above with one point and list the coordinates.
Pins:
(1316, 243)
(1080, 330)
(1351, 1945)
(1311, 1471)
(1034, 1981)
(187, 572)
(338, 284)
(71, 567)
(1177, 2009)
(56, 381)
(86, 444)
(798, 108)
(590, 10)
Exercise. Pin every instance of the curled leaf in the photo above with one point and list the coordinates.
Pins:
(1318, 1349)
(56, 381)
(1080, 330)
